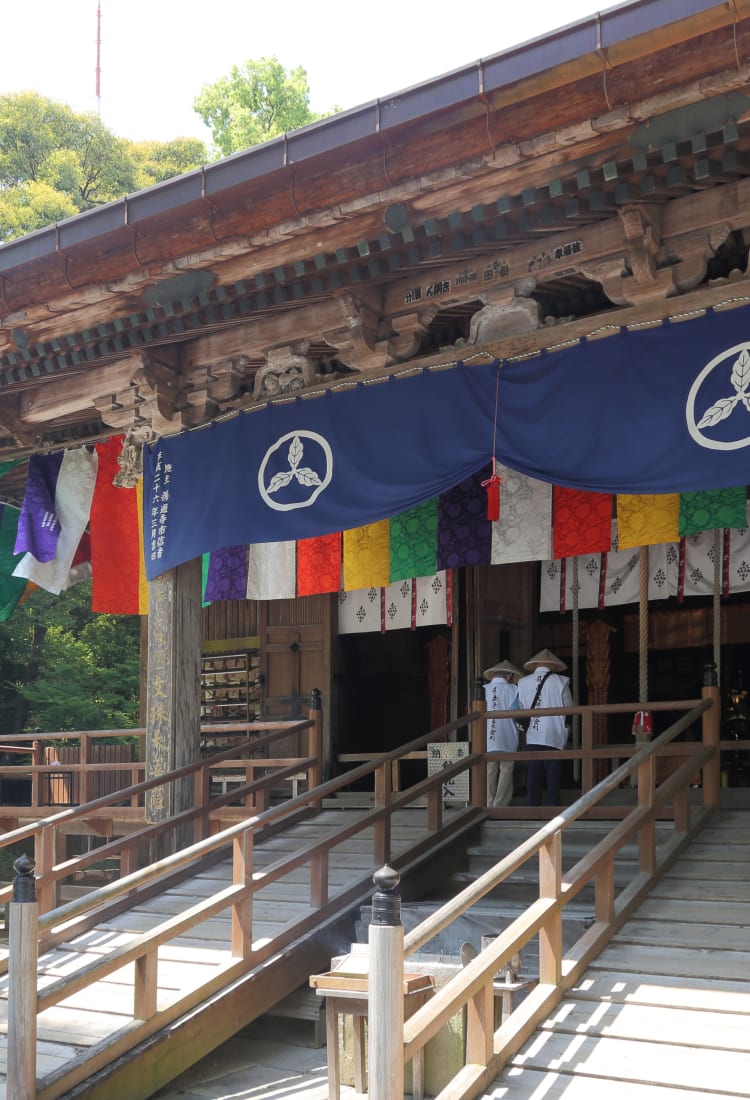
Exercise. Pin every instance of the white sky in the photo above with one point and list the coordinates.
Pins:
(157, 54)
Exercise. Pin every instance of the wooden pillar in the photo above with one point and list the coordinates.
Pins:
(22, 977)
(173, 693)
(385, 996)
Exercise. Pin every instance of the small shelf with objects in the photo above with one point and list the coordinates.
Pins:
(230, 692)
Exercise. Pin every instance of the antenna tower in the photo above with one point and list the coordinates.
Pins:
(99, 57)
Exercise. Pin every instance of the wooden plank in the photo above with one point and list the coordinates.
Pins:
(693, 910)
(683, 962)
(688, 889)
(519, 1083)
(701, 937)
(657, 1063)
(647, 1023)
(710, 994)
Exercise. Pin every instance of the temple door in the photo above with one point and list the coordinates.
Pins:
(294, 660)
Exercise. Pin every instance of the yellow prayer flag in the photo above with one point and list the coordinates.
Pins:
(367, 556)
(647, 520)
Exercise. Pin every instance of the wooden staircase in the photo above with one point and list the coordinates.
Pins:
(92, 1043)
(664, 1011)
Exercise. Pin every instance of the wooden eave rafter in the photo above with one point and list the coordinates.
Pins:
(299, 260)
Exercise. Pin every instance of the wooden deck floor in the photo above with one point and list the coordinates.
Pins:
(664, 1012)
(103, 1012)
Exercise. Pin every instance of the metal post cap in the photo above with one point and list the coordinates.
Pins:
(24, 884)
(386, 904)
(710, 679)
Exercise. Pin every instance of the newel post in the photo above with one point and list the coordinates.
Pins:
(385, 997)
(315, 742)
(479, 745)
(711, 736)
(22, 995)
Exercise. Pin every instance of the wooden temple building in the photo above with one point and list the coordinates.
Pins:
(593, 181)
(513, 300)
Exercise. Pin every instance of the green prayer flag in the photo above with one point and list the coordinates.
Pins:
(413, 539)
(711, 508)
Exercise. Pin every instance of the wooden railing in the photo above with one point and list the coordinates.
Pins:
(472, 988)
(487, 1049)
(57, 923)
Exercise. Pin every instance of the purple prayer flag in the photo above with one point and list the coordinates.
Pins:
(227, 574)
(464, 534)
(38, 524)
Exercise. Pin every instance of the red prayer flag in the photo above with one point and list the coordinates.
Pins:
(115, 541)
(319, 565)
(582, 522)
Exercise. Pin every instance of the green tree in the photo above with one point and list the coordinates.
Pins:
(31, 205)
(47, 142)
(257, 101)
(65, 668)
(55, 162)
(160, 160)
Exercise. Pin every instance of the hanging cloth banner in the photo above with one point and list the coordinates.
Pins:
(39, 523)
(707, 510)
(524, 530)
(582, 522)
(319, 565)
(367, 561)
(656, 410)
(73, 495)
(117, 582)
(271, 571)
(227, 574)
(647, 520)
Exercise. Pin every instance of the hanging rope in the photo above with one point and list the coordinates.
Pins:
(495, 480)
(718, 564)
(575, 647)
(643, 627)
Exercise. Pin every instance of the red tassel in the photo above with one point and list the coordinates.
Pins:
(492, 485)
(493, 497)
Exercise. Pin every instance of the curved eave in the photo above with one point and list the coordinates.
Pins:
(612, 37)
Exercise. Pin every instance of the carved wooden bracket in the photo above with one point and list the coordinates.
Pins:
(507, 311)
(287, 369)
(357, 341)
(411, 329)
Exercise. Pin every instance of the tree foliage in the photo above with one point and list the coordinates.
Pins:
(65, 668)
(259, 100)
(160, 160)
(55, 162)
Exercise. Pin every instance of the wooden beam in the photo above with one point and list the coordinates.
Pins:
(173, 691)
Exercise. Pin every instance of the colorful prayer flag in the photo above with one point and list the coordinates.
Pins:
(319, 565)
(73, 495)
(39, 523)
(227, 574)
(413, 541)
(582, 522)
(367, 556)
(271, 571)
(711, 508)
(464, 532)
(12, 589)
(116, 542)
(524, 530)
(647, 520)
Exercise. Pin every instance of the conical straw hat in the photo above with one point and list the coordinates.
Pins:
(547, 658)
(502, 668)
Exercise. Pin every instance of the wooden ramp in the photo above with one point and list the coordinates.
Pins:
(91, 1045)
(664, 1012)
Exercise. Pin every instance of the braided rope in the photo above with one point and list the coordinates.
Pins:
(575, 685)
(718, 564)
(643, 627)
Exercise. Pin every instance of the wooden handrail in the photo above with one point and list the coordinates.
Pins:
(473, 984)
